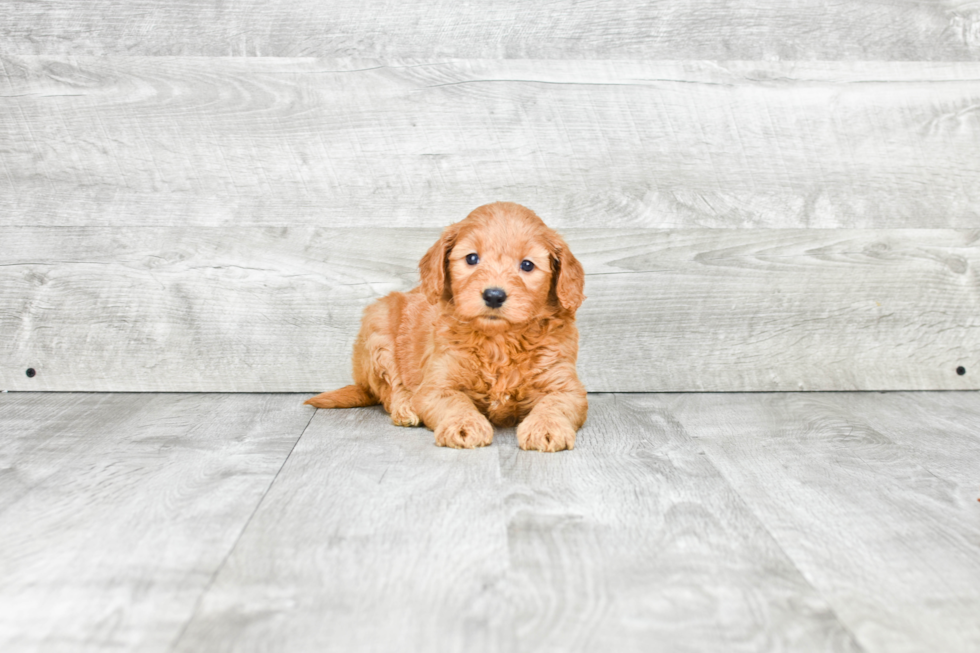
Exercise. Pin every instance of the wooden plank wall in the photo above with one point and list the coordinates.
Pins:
(203, 196)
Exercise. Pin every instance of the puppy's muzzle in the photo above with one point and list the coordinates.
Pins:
(494, 297)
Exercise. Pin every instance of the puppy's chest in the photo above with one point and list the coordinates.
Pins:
(505, 390)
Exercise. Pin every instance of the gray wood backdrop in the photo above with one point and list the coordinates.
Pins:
(204, 196)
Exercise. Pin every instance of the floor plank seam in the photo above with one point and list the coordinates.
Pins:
(749, 508)
(231, 549)
(508, 560)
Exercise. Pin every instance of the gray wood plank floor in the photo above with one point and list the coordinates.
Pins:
(681, 522)
(115, 510)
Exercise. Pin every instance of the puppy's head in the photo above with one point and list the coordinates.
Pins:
(502, 266)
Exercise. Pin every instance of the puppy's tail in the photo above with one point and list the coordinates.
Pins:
(349, 396)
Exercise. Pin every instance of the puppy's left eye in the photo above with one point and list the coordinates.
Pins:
(526, 265)
(472, 259)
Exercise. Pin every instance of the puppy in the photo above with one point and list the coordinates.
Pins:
(488, 336)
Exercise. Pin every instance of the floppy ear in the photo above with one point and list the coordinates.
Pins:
(568, 277)
(433, 268)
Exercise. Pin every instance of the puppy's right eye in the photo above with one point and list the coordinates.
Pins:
(472, 259)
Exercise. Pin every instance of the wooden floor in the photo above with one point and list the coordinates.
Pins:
(681, 522)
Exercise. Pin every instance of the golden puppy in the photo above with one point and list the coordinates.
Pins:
(488, 333)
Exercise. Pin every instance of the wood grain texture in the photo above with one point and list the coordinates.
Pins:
(635, 542)
(116, 510)
(169, 141)
(35, 428)
(884, 528)
(374, 539)
(618, 29)
(277, 309)
(939, 430)
(757, 522)
(371, 539)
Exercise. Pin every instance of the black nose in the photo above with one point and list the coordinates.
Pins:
(494, 297)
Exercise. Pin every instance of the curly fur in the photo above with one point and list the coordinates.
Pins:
(440, 355)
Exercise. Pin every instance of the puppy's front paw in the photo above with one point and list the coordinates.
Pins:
(464, 431)
(404, 416)
(545, 434)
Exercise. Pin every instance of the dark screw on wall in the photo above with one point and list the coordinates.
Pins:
(30, 372)
(961, 370)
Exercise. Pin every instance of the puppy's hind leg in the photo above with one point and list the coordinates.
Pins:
(375, 367)
(381, 374)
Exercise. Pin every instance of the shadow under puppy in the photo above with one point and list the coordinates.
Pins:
(488, 336)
